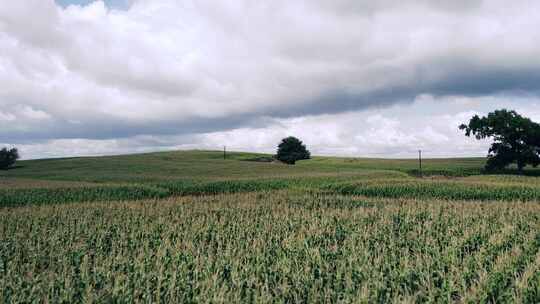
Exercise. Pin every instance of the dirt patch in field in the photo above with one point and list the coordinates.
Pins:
(27, 183)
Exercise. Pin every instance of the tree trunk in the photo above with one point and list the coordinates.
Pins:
(520, 168)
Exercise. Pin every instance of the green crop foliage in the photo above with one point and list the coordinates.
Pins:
(19, 197)
(259, 247)
(439, 190)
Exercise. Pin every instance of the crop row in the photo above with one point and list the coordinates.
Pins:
(44, 196)
(438, 190)
(389, 188)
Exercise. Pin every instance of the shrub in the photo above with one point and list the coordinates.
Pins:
(8, 157)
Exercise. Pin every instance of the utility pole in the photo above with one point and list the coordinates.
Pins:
(224, 152)
(420, 161)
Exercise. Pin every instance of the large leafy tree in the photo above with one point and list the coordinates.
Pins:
(516, 139)
(291, 149)
(8, 157)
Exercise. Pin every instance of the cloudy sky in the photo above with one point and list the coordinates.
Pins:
(349, 77)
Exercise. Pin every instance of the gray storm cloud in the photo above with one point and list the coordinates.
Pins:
(164, 67)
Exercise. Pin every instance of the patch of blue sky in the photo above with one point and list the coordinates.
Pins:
(114, 4)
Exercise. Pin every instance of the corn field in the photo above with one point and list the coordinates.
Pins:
(189, 227)
(271, 246)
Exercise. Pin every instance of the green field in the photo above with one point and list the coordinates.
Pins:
(209, 165)
(192, 227)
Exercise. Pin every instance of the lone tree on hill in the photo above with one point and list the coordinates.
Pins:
(292, 149)
(516, 139)
(8, 157)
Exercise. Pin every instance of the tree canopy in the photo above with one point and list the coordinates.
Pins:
(8, 157)
(516, 139)
(291, 149)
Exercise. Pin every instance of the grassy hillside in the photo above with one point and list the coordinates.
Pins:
(209, 165)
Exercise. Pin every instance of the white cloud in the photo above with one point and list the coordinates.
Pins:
(7, 117)
(27, 112)
(23, 118)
